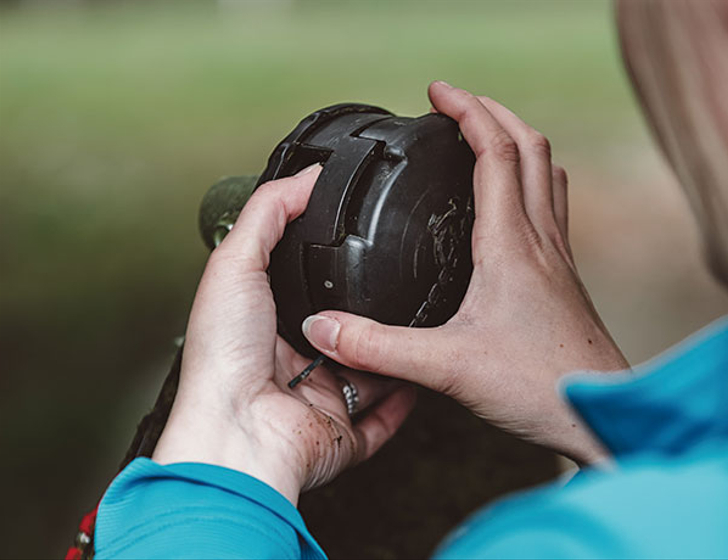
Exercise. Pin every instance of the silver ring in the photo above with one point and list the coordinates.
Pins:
(351, 396)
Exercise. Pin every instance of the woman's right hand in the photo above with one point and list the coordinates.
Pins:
(526, 319)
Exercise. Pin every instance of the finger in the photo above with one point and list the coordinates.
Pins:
(383, 421)
(264, 217)
(535, 152)
(362, 344)
(370, 388)
(496, 180)
(561, 200)
(561, 214)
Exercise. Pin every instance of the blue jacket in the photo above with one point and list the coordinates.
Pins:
(667, 496)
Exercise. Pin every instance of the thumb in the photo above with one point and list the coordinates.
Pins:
(357, 342)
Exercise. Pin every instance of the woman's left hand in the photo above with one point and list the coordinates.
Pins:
(233, 407)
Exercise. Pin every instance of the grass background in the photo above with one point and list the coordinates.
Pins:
(116, 116)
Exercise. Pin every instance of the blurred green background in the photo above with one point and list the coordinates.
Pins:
(116, 116)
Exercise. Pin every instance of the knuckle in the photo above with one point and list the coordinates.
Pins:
(262, 190)
(464, 94)
(267, 200)
(560, 175)
(562, 246)
(538, 143)
(257, 202)
(552, 232)
(472, 102)
(265, 194)
(268, 185)
(368, 349)
(505, 148)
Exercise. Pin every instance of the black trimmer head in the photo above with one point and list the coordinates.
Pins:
(386, 233)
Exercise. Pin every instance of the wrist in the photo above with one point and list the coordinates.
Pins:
(585, 449)
(197, 436)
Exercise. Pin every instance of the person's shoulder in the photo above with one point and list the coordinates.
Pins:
(649, 507)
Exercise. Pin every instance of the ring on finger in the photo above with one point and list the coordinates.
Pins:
(351, 396)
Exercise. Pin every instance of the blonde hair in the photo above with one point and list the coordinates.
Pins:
(676, 53)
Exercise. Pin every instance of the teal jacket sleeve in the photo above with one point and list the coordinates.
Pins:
(193, 510)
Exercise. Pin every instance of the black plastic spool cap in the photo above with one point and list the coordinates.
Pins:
(386, 233)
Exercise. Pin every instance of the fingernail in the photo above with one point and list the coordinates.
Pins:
(443, 83)
(322, 332)
(308, 169)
